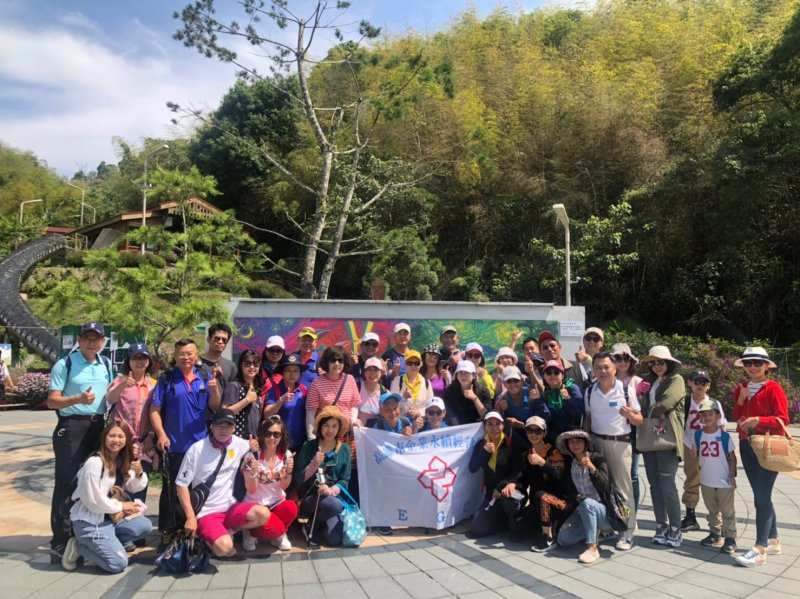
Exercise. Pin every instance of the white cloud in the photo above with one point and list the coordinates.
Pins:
(80, 92)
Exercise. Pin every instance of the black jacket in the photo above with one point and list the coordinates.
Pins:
(461, 410)
(551, 478)
(507, 467)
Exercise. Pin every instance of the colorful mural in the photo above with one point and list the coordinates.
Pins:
(491, 334)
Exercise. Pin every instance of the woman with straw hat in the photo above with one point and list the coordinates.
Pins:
(665, 400)
(760, 406)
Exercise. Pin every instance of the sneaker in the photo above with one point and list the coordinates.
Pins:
(660, 537)
(752, 558)
(589, 556)
(282, 543)
(730, 546)
(386, 531)
(774, 547)
(69, 559)
(248, 541)
(543, 544)
(712, 540)
(689, 523)
(674, 537)
(624, 544)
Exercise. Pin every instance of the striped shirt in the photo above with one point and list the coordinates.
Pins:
(323, 393)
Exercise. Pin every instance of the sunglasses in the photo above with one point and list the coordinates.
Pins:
(749, 363)
(275, 350)
(534, 431)
(273, 435)
(372, 343)
(434, 412)
(621, 358)
(592, 338)
(552, 372)
(513, 382)
(475, 355)
(334, 360)
(658, 363)
(219, 339)
(248, 364)
(550, 345)
(414, 364)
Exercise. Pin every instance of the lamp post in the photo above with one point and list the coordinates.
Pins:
(83, 197)
(22, 205)
(563, 220)
(144, 187)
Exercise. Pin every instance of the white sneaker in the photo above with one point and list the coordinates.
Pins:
(282, 543)
(624, 544)
(589, 556)
(248, 541)
(774, 547)
(751, 559)
(69, 559)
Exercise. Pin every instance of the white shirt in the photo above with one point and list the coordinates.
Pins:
(199, 463)
(272, 493)
(92, 492)
(714, 470)
(604, 409)
(693, 421)
(370, 403)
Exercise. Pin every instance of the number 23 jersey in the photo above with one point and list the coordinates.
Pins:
(714, 469)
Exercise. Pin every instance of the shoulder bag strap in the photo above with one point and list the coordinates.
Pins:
(209, 482)
(339, 392)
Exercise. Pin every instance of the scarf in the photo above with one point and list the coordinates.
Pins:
(220, 444)
(493, 457)
(553, 396)
(413, 387)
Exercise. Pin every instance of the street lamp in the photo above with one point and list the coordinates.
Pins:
(144, 188)
(22, 205)
(563, 220)
(83, 196)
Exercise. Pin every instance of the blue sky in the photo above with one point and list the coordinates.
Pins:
(74, 74)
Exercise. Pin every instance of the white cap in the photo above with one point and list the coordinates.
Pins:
(493, 414)
(401, 326)
(506, 351)
(435, 402)
(465, 366)
(473, 346)
(511, 372)
(376, 362)
(370, 337)
(276, 341)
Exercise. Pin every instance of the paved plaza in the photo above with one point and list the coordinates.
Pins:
(408, 564)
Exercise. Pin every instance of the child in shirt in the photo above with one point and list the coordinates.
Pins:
(434, 415)
(717, 459)
(389, 418)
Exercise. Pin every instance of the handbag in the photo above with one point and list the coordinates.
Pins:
(354, 525)
(184, 555)
(779, 453)
(655, 434)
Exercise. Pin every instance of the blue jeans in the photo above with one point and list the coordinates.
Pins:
(761, 481)
(104, 544)
(635, 478)
(583, 524)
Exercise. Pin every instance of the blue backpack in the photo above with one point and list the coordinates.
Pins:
(725, 437)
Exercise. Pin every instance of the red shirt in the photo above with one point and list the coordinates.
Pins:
(769, 404)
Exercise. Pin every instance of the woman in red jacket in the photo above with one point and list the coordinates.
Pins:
(760, 406)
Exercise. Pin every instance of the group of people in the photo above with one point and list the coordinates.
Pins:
(246, 448)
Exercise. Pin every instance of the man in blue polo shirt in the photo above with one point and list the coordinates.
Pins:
(180, 405)
(78, 384)
(307, 339)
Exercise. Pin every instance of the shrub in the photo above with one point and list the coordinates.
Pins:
(266, 289)
(73, 258)
(154, 260)
(130, 259)
(716, 356)
(33, 388)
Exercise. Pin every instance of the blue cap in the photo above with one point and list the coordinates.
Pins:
(138, 348)
(93, 327)
(388, 396)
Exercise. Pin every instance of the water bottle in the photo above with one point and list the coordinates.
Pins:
(321, 480)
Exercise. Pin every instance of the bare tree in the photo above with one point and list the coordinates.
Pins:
(342, 132)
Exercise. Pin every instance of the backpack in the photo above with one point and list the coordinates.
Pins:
(103, 360)
(726, 440)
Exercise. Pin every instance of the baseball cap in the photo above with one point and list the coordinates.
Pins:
(448, 329)
(546, 336)
(375, 362)
(276, 341)
(511, 373)
(370, 337)
(472, 346)
(412, 353)
(308, 332)
(223, 415)
(138, 349)
(435, 402)
(465, 366)
(506, 351)
(699, 375)
(554, 364)
(93, 327)
(401, 326)
(493, 414)
(707, 405)
(596, 330)
(389, 396)
(536, 421)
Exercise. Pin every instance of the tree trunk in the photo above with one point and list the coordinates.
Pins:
(330, 263)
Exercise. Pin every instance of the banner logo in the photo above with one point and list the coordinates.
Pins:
(438, 478)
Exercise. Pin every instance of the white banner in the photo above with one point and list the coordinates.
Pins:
(422, 480)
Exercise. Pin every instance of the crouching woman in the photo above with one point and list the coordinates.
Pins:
(591, 490)
(104, 526)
